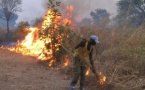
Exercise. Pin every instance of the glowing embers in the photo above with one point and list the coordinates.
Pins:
(102, 78)
(87, 72)
(66, 61)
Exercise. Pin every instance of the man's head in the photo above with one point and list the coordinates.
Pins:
(94, 40)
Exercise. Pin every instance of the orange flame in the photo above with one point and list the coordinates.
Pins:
(87, 72)
(51, 63)
(34, 45)
(102, 78)
(29, 46)
(69, 15)
(66, 61)
(70, 8)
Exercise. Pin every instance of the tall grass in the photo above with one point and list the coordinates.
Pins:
(121, 55)
(13, 34)
(2, 33)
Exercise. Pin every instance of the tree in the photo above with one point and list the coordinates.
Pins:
(131, 12)
(85, 22)
(12, 22)
(100, 17)
(8, 9)
(22, 25)
(38, 21)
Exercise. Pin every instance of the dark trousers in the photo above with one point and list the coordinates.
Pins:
(79, 72)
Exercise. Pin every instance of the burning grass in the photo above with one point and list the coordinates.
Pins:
(121, 54)
(45, 42)
(121, 59)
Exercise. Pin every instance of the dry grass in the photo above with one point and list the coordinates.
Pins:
(121, 57)
(2, 33)
(13, 34)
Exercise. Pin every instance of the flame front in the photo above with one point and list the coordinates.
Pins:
(35, 45)
(32, 44)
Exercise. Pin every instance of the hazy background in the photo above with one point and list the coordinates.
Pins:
(82, 8)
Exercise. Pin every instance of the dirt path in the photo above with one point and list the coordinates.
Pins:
(19, 72)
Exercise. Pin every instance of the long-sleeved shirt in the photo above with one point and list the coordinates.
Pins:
(82, 44)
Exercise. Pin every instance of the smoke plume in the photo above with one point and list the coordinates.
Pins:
(82, 8)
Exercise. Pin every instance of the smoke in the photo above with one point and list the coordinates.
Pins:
(82, 8)
(31, 9)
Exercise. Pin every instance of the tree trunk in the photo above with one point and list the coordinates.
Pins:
(8, 27)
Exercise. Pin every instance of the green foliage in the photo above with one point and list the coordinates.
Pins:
(85, 22)
(100, 17)
(38, 21)
(57, 33)
(130, 13)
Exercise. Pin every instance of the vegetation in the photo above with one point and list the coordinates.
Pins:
(60, 35)
(8, 10)
(130, 13)
(12, 22)
(100, 17)
(38, 21)
(121, 56)
(21, 26)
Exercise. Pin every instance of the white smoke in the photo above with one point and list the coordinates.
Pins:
(82, 8)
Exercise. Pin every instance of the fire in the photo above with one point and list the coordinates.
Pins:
(42, 47)
(32, 45)
(66, 61)
(87, 73)
(102, 78)
(51, 62)
(69, 10)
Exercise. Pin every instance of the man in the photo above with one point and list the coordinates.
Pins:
(82, 51)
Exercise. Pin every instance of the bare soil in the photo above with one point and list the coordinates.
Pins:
(18, 72)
